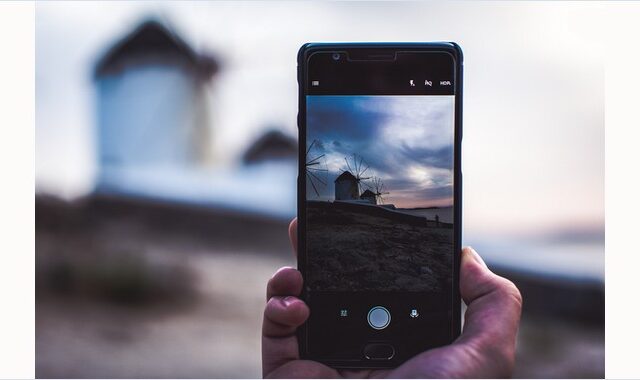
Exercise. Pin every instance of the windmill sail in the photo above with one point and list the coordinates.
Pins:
(378, 189)
(316, 167)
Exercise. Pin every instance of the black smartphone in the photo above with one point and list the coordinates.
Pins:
(379, 200)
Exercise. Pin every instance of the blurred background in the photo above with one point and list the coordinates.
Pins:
(166, 164)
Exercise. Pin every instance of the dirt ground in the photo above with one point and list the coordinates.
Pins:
(216, 336)
(352, 250)
(198, 299)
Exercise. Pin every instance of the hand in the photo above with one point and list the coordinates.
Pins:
(486, 347)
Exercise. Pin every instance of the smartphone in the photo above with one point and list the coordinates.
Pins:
(379, 200)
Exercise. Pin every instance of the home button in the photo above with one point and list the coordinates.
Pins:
(379, 351)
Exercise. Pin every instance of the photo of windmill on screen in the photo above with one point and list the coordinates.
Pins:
(379, 193)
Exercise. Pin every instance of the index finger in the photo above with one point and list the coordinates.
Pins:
(286, 281)
(293, 235)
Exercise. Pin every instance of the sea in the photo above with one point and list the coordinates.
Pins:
(444, 213)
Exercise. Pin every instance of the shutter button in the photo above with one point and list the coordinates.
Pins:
(379, 317)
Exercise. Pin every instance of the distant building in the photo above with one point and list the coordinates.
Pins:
(272, 146)
(368, 196)
(346, 187)
(151, 108)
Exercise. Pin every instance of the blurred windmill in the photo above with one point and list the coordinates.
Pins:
(378, 189)
(316, 166)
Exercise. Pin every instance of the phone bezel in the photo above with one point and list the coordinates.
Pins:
(303, 55)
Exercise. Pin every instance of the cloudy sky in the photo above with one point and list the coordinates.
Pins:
(407, 141)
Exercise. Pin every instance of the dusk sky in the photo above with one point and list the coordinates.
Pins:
(407, 141)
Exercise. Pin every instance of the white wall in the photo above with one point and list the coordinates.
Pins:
(147, 117)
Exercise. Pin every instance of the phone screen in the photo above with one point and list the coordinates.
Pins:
(379, 204)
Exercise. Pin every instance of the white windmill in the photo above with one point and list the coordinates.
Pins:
(349, 184)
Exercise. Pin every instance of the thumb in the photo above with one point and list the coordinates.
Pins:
(477, 281)
(493, 311)
(475, 277)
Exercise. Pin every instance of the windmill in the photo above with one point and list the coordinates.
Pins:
(378, 189)
(316, 166)
(357, 167)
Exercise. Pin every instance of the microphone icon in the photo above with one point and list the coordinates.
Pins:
(414, 313)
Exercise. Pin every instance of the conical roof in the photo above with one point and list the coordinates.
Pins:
(152, 42)
(367, 194)
(346, 176)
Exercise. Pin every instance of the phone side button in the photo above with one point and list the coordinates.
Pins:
(379, 351)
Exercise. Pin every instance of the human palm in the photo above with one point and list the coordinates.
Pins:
(486, 347)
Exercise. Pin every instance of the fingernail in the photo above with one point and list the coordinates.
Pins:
(280, 270)
(288, 301)
(477, 257)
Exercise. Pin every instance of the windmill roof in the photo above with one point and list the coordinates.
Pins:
(152, 42)
(346, 176)
(368, 193)
(272, 145)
